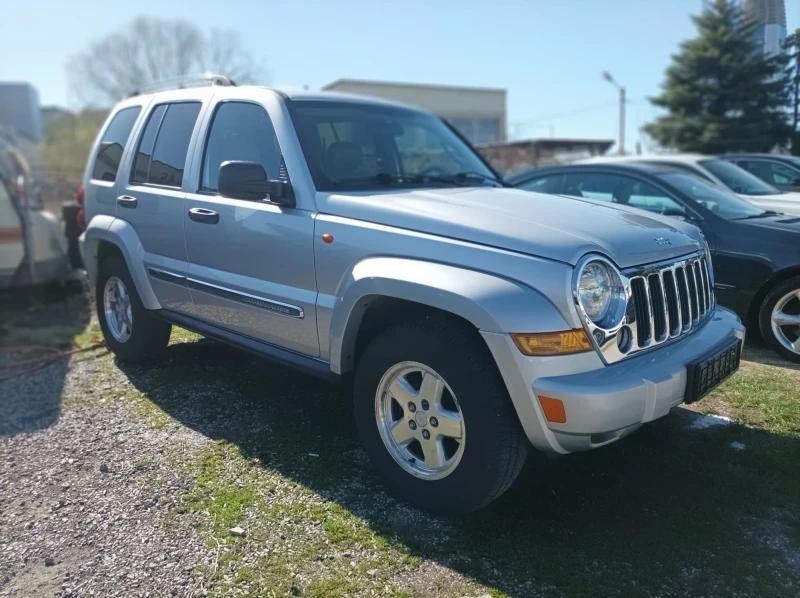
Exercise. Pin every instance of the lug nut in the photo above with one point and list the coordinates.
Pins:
(426, 434)
(412, 407)
(434, 422)
(425, 405)
(412, 424)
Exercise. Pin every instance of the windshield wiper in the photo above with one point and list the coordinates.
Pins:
(462, 179)
(763, 214)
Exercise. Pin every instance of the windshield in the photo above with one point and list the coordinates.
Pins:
(713, 198)
(365, 147)
(737, 179)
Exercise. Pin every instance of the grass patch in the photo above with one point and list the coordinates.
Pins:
(225, 502)
(766, 397)
(181, 335)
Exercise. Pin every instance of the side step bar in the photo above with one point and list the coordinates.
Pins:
(308, 365)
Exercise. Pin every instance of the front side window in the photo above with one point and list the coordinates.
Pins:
(738, 179)
(358, 147)
(783, 174)
(623, 190)
(164, 145)
(240, 131)
(545, 184)
(115, 137)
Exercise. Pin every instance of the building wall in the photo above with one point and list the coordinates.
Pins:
(771, 16)
(479, 113)
(19, 110)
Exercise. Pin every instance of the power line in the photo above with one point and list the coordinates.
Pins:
(570, 113)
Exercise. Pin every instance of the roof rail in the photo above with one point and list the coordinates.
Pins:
(201, 80)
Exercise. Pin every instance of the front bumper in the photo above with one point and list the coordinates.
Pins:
(603, 403)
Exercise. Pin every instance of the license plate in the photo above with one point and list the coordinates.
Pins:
(707, 373)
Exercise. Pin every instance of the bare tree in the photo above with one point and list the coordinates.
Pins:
(150, 50)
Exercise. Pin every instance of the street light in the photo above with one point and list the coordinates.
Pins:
(607, 76)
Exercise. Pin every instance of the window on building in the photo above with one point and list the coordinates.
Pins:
(115, 137)
(240, 131)
(477, 130)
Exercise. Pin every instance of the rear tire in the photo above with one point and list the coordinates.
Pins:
(478, 460)
(129, 329)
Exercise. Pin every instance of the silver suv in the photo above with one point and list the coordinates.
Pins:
(366, 242)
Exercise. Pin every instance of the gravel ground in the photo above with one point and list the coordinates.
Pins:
(213, 473)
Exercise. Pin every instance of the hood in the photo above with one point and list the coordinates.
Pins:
(784, 228)
(548, 226)
(788, 203)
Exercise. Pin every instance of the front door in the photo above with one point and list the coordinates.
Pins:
(152, 201)
(251, 263)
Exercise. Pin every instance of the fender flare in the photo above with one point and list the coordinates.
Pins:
(121, 234)
(488, 302)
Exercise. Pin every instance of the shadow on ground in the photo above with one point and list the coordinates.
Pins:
(31, 318)
(668, 510)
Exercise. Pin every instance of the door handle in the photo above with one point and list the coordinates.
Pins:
(126, 201)
(203, 216)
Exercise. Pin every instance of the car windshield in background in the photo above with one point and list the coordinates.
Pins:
(738, 179)
(364, 147)
(722, 203)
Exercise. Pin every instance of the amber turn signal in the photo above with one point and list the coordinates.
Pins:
(553, 410)
(552, 343)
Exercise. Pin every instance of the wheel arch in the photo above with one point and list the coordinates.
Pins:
(381, 291)
(107, 235)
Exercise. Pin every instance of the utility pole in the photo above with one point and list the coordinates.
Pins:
(622, 101)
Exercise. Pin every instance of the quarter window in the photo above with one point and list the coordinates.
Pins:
(115, 137)
(164, 145)
(241, 131)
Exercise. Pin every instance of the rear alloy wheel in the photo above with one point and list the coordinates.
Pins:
(421, 388)
(780, 319)
(130, 331)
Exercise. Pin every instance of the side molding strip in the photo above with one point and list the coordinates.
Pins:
(284, 309)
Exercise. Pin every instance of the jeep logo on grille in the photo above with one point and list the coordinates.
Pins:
(662, 240)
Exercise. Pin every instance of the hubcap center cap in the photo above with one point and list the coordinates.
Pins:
(421, 419)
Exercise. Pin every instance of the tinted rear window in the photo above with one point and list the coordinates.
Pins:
(170, 127)
(115, 137)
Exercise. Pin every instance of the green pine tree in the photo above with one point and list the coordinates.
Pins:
(721, 93)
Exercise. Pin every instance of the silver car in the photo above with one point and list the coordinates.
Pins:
(366, 242)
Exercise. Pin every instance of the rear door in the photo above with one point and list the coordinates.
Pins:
(251, 263)
(152, 198)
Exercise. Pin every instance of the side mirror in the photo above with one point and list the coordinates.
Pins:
(248, 180)
(795, 183)
(678, 214)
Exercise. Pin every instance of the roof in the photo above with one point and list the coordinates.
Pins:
(293, 94)
(543, 142)
(685, 158)
(630, 166)
(339, 82)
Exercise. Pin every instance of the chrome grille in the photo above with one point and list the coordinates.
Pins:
(669, 300)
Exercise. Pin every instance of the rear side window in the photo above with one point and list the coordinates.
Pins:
(115, 137)
(545, 184)
(164, 145)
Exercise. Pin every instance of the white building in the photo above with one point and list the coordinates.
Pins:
(479, 113)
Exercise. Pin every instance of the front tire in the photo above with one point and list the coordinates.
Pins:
(435, 417)
(130, 331)
(779, 319)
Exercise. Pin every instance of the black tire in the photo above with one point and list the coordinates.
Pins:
(148, 337)
(765, 317)
(495, 445)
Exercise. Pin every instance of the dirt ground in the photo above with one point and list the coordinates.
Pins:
(213, 473)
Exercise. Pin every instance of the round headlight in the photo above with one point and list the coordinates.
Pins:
(600, 293)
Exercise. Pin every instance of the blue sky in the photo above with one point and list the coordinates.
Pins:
(548, 54)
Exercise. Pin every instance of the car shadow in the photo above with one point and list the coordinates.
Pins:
(668, 503)
(30, 319)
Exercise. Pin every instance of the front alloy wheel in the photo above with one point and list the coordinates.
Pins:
(419, 387)
(785, 321)
(779, 319)
(419, 420)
